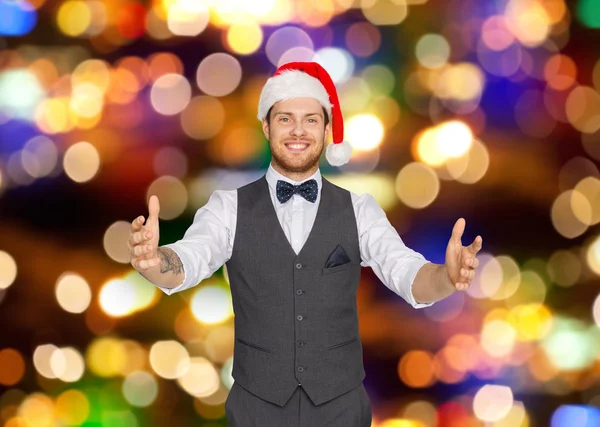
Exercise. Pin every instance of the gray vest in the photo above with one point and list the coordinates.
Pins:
(296, 322)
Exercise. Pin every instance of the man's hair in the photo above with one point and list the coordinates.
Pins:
(325, 116)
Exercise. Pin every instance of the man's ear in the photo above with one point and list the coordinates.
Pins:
(265, 128)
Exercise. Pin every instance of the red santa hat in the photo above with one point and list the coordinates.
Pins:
(309, 80)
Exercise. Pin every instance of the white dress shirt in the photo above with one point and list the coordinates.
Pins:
(208, 242)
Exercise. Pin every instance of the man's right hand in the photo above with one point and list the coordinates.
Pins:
(143, 239)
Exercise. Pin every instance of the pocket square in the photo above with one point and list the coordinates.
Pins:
(337, 257)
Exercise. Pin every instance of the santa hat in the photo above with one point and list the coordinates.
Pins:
(308, 80)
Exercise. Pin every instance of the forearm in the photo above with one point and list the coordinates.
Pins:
(432, 283)
(169, 273)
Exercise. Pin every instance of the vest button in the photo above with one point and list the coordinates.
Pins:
(299, 291)
(298, 265)
(300, 317)
(300, 368)
(301, 343)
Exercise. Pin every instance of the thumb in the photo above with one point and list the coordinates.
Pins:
(458, 229)
(153, 209)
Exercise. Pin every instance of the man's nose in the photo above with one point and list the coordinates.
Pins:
(298, 129)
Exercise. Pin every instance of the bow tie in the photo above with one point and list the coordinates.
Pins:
(307, 189)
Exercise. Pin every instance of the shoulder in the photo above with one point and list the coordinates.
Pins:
(222, 201)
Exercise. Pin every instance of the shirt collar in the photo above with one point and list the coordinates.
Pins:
(272, 176)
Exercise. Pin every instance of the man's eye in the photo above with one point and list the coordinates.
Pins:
(283, 119)
(312, 120)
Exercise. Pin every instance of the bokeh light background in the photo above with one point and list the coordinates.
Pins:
(487, 110)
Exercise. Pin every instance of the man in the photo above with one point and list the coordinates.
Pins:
(294, 244)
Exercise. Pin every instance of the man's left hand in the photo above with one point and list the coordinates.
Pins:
(461, 261)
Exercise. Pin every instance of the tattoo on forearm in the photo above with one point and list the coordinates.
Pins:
(169, 261)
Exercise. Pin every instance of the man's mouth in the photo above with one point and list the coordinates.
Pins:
(296, 146)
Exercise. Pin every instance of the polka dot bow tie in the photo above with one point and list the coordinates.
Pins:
(307, 189)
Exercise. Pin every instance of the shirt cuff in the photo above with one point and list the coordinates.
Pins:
(414, 269)
(183, 285)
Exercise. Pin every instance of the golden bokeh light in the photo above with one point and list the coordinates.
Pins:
(203, 118)
(364, 132)
(169, 359)
(117, 298)
(564, 268)
(211, 304)
(81, 162)
(37, 410)
(498, 338)
(244, 38)
(571, 214)
(73, 293)
(511, 277)
(592, 255)
(493, 402)
(8, 270)
(385, 12)
(201, 378)
(218, 74)
(172, 196)
(115, 241)
(106, 357)
(416, 369)
(72, 407)
(417, 185)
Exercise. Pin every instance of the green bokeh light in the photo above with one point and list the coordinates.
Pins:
(588, 12)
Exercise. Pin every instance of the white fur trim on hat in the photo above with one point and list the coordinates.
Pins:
(338, 154)
(291, 84)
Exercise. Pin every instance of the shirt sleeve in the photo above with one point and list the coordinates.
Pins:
(207, 244)
(382, 249)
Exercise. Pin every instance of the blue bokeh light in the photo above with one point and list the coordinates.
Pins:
(575, 416)
(17, 18)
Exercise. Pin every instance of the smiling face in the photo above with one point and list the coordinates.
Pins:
(297, 133)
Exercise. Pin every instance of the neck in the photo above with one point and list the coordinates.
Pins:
(295, 175)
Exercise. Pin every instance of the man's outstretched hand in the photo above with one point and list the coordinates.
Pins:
(143, 239)
(461, 261)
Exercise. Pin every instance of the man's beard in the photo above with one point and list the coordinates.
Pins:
(287, 166)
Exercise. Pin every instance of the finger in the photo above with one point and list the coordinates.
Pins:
(145, 264)
(458, 229)
(461, 286)
(471, 262)
(142, 249)
(140, 236)
(476, 245)
(137, 223)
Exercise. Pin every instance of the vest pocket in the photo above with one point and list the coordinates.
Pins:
(254, 346)
(337, 268)
(331, 347)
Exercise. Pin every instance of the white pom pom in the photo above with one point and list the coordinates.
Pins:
(338, 154)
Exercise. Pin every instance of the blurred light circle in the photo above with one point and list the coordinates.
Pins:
(156, 27)
(219, 74)
(81, 162)
(511, 277)
(297, 54)
(589, 187)
(354, 94)
(12, 367)
(67, 364)
(571, 345)
(575, 170)
(22, 92)
(380, 79)
(182, 21)
(72, 407)
(131, 20)
(170, 161)
(488, 278)
(416, 369)
(582, 107)
(145, 292)
(172, 195)
(571, 214)
(162, 63)
(106, 357)
(338, 63)
(364, 132)
(52, 115)
(18, 18)
(560, 72)
(471, 167)
(39, 156)
(385, 12)
(73, 292)
(115, 241)
(244, 38)
(531, 321)
(592, 255)
(596, 310)
(363, 39)
(37, 410)
(92, 71)
(500, 62)
(169, 359)
(564, 268)
(495, 33)
(528, 21)
(498, 338)
(211, 304)
(140, 389)
(533, 119)
(201, 379)
(575, 415)
(492, 402)
(532, 290)
(420, 411)
(170, 94)
(41, 360)
(386, 109)
(587, 13)
(219, 343)
(417, 185)
(240, 146)
(117, 298)
(454, 138)
(203, 118)
(285, 39)
(74, 17)
(432, 50)
(15, 170)
(87, 100)
(463, 81)
(8, 270)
